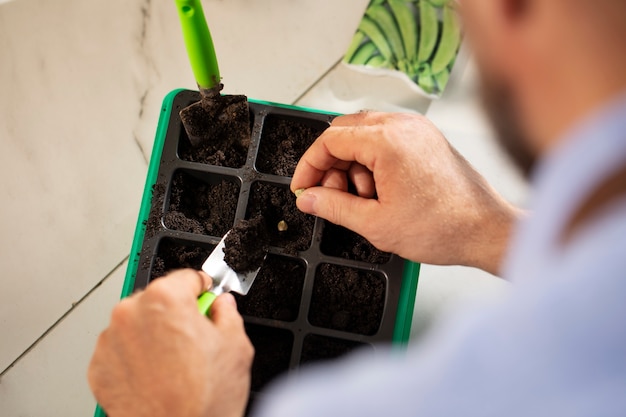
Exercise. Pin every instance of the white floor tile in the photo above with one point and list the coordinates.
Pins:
(71, 172)
(50, 380)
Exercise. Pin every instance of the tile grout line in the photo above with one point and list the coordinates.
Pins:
(67, 313)
(317, 81)
(141, 150)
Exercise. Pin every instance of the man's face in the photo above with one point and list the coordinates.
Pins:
(499, 104)
(484, 29)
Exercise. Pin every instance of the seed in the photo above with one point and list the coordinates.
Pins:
(282, 226)
(299, 192)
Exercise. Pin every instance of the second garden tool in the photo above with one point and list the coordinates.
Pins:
(214, 114)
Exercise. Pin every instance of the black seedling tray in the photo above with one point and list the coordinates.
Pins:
(343, 293)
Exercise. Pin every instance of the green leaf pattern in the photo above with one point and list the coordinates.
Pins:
(418, 37)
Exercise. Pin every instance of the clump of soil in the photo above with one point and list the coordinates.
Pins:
(201, 207)
(175, 255)
(217, 131)
(276, 291)
(316, 348)
(347, 299)
(283, 142)
(276, 204)
(343, 243)
(246, 245)
(272, 353)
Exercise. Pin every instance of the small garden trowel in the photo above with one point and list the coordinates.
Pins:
(225, 279)
(201, 118)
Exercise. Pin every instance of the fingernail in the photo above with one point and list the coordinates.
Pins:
(299, 192)
(306, 202)
(208, 281)
(228, 297)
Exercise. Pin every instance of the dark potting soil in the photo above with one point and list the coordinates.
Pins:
(316, 348)
(343, 243)
(153, 224)
(347, 299)
(272, 353)
(216, 131)
(276, 291)
(200, 207)
(175, 255)
(275, 204)
(283, 142)
(246, 245)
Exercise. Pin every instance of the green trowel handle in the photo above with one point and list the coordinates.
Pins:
(199, 43)
(205, 301)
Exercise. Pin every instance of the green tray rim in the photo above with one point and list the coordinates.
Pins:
(410, 275)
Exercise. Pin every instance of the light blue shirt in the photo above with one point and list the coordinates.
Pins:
(555, 347)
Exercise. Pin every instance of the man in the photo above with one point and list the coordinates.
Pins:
(554, 78)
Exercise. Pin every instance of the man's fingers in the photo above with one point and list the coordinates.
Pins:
(339, 207)
(363, 180)
(335, 178)
(224, 313)
(185, 284)
(337, 147)
(364, 118)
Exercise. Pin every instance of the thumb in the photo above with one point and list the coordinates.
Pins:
(339, 207)
(224, 312)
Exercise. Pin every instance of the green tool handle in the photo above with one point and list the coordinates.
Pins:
(205, 301)
(199, 43)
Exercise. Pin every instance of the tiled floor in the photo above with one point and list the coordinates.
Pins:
(82, 83)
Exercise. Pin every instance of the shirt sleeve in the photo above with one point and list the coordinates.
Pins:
(553, 348)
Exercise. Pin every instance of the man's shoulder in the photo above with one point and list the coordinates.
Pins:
(606, 199)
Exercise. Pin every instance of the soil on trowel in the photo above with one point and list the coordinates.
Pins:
(347, 299)
(174, 255)
(200, 207)
(272, 353)
(216, 131)
(287, 226)
(283, 142)
(276, 291)
(343, 243)
(246, 245)
(317, 348)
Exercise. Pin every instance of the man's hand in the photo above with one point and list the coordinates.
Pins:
(161, 357)
(417, 197)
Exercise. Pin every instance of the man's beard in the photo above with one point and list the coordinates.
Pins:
(499, 105)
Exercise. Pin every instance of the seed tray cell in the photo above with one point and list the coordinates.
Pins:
(174, 254)
(278, 276)
(277, 204)
(202, 203)
(278, 154)
(347, 299)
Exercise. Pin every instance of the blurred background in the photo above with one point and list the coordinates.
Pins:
(81, 85)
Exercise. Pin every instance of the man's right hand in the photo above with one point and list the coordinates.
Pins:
(160, 357)
(417, 196)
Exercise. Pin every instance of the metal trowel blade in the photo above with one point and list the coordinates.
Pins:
(225, 279)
